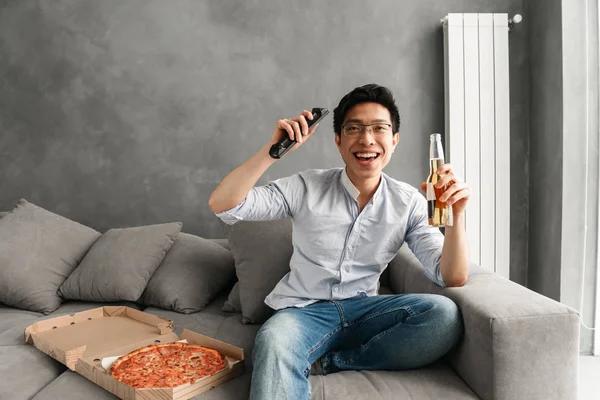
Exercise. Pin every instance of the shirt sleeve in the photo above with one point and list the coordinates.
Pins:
(277, 199)
(426, 242)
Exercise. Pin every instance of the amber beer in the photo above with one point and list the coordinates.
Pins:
(439, 213)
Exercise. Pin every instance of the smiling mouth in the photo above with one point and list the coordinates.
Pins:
(363, 156)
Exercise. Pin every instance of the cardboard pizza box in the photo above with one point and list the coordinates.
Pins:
(80, 341)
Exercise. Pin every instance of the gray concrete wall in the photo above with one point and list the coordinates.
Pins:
(119, 113)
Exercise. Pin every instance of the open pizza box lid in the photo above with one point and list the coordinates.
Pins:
(82, 340)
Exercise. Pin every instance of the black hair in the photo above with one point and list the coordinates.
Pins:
(368, 93)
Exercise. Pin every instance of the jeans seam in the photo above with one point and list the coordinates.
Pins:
(321, 342)
(341, 312)
(330, 334)
(318, 346)
(326, 337)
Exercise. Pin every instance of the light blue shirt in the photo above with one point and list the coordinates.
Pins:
(339, 251)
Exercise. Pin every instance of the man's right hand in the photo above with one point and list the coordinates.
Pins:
(294, 128)
(235, 186)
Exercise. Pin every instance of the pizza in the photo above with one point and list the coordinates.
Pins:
(167, 365)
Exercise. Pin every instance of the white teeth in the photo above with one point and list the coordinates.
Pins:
(366, 155)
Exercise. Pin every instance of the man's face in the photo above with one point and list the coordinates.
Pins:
(357, 150)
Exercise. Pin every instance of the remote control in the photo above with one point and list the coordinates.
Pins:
(279, 149)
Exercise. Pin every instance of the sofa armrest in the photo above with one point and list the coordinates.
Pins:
(517, 344)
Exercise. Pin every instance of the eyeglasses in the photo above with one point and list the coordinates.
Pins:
(377, 129)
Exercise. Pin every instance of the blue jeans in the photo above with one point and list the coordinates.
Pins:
(387, 332)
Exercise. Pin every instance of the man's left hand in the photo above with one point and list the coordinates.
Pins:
(457, 194)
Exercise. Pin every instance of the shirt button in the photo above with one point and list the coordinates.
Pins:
(335, 289)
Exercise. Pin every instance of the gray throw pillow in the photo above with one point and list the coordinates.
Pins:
(194, 272)
(3, 213)
(120, 264)
(262, 253)
(38, 251)
(233, 304)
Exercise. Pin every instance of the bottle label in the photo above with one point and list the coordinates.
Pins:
(430, 200)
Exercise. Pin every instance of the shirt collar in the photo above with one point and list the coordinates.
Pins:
(380, 188)
(354, 192)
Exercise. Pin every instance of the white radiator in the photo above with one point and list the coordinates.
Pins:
(477, 137)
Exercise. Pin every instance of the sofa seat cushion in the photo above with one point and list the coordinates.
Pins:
(25, 371)
(437, 381)
(215, 323)
(13, 322)
(72, 386)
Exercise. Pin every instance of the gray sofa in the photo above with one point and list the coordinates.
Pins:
(517, 344)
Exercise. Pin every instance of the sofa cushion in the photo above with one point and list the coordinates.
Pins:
(3, 213)
(120, 264)
(38, 251)
(194, 271)
(233, 304)
(25, 371)
(437, 381)
(262, 252)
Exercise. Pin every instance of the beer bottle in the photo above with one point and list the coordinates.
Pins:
(439, 213)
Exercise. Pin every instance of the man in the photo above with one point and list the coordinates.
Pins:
(348, 225)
